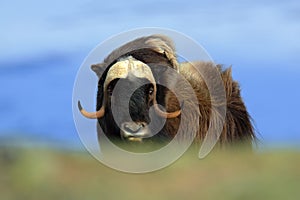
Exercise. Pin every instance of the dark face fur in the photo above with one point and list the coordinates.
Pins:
(132, 127)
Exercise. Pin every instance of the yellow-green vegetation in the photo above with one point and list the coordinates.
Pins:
(233, 174)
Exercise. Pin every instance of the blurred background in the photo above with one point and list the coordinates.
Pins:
(43, 44)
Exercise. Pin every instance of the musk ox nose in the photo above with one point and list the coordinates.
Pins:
(132, 127)
(134, 131)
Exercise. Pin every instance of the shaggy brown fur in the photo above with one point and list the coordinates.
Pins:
(237, 126)
(158, 49)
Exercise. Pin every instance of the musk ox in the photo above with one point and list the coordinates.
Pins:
(140, 67)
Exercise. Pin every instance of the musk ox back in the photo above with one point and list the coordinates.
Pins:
(134, 105)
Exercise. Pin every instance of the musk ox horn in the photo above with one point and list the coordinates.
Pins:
(121, 69)
(91, 115)
(167, 114)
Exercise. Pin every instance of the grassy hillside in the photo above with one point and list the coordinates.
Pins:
(52, 174)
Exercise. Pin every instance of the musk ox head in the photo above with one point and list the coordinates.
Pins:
(128, 89)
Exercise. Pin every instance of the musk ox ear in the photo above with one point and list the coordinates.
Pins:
(98, 68)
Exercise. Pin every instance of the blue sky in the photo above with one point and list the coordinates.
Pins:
(44, 43)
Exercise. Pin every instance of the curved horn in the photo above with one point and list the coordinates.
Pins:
(91, 115)
(118, 70)
(167, 114)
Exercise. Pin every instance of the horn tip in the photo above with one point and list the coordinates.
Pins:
(79, 106)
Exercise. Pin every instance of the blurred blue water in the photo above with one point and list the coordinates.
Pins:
(36, 98)
(44, 44)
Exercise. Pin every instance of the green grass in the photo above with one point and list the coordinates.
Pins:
(233, 174)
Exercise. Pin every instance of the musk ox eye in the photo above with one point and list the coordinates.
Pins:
(150, 91)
